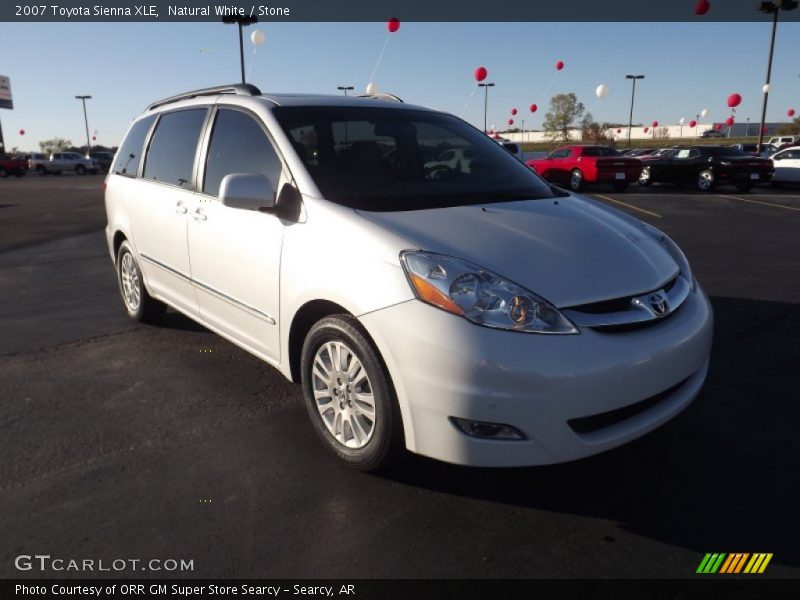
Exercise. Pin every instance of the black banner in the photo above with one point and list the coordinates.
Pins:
(687, 589)
(405, 10)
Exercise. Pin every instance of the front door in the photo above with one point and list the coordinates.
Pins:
(235, 253)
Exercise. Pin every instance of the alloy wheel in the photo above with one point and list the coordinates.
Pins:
(343, 394)
(131, 283)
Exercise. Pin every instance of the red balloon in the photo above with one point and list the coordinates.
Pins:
(513, 111)
(729, 121)
(765, 130)
(655, 123)
(790, 112)
(534, 108)
(94, 138)
(393, 25)
(22, 131)
(511, 121)
(559, 65)
(718, 126)
(496, 136)
(481, 73)
(619, 130)
(646, 129)
(734, 100)
(702, 7)
(692, 123)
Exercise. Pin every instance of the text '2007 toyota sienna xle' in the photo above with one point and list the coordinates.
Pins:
(463, 310)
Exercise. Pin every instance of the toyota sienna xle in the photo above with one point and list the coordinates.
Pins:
(464, 310)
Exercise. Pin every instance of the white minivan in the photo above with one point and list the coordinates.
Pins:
(470, 313)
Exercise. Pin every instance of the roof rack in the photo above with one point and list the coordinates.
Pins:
(240, 89)
(381, 96)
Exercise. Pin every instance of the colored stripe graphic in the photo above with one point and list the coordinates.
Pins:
(734, 563)
(711, 562)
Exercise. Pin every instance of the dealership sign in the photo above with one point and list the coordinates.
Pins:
(5, 92)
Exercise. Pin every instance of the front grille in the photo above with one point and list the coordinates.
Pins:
(613, 417)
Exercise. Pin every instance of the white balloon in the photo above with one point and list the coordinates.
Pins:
(682, 121)
(767, 87)
(704, 113)
(257, 37)
(602, 90)
(373, 88)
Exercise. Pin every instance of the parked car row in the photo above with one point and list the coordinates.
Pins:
(60, 162)
(706, 167)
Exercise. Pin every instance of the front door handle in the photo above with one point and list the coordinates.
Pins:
(180, 209)
(198, 215)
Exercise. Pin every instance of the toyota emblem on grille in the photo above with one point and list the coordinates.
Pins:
(658, 302)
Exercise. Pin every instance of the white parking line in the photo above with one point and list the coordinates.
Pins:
(751, 201)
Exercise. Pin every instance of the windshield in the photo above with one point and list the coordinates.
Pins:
(385, 159)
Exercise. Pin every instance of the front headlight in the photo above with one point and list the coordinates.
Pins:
(674, 251)
(477, 294)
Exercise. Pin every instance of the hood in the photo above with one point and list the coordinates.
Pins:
(568, 250)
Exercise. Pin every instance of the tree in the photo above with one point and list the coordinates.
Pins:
(592, 131)
(564, 110)
(54, 145)
(792, 128)
(661, 133)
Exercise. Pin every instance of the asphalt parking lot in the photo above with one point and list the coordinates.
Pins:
(128, 441)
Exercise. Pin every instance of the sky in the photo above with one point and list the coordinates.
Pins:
(125, 66)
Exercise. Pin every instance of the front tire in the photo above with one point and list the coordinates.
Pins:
(349, 395)
(706, 182)
(139, 304)
(80, 170)
(576, 180)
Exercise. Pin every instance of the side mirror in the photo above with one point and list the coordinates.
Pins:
(778, 157)
(247, 191)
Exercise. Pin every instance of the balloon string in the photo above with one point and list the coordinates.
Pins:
(380, 58)
(252, 62)
(547, 89)
(466, 106)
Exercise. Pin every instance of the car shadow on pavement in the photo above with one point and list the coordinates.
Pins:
(722, 476)
(175, 320)
(686, 189)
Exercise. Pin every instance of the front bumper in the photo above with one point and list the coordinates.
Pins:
(444, 366)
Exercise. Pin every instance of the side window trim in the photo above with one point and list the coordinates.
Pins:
(197, 149)
(205, 145)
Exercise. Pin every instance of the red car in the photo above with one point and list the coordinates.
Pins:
(578, 165)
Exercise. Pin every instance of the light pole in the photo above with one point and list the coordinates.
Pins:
(83, 99)
(241, 21)
(345, 88)
(771, 8)
(486, 87)
(633, 95)
(747, 131)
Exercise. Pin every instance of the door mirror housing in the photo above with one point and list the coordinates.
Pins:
(247, 191)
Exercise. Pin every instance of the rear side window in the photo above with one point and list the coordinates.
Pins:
(239, 145)
(170, 157)
(129, 154)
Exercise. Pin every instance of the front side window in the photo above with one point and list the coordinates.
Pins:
(239, 145)
(170, 157)
(377, 158)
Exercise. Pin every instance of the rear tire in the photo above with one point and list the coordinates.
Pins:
(576, 180)
(706, 181)
(41, 170)
(139, 304)
(349, 394)
(645, 177)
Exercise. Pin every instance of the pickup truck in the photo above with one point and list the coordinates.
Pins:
(60, 162)
(10, 165)
(578, 165)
